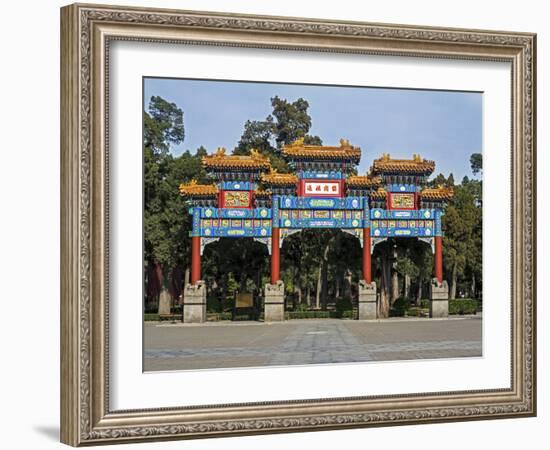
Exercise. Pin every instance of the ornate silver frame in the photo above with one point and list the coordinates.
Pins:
(86, 31)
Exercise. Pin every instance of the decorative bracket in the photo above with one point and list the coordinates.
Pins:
(356, 232)
(207, 240)
(429, 241)
(286, 232)
(265, 241)
(375, 241)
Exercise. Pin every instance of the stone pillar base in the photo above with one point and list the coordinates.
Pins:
(194, 303)
(274, 302)
(439, 298)
(367, 300)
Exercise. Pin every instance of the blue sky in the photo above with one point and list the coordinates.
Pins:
(440, 125)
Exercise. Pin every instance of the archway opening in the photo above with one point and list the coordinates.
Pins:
(320, 269)
(402, 269)
(232, 269)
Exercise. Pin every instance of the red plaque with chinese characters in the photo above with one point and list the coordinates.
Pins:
(321, 188)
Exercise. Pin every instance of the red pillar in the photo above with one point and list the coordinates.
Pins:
(367, 270)
(439, 259)
(275, 255)
(195, 259)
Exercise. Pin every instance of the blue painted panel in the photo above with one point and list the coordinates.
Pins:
(292, 202)
(238, 185)
(331, 175)
(275, 209)
(402, 187)
(320, 223)
(402, 232)
(235, 213)
(382, 223)
(438, 226)
(233, 232)
(378, 213)
(196, 218)
(366, 214)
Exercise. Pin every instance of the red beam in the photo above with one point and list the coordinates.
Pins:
(367, 269)
(439, 259)
(275, 255)
(195, 259)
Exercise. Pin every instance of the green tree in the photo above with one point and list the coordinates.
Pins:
(442, 180)
(287, 122)
(422, 257)
(257, 134)
(476, 163)
(408, 270)
(463, 228)
(260, 135)
(163, 126)
(292, 120)
(460, 222)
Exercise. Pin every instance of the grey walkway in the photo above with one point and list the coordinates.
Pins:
(248, 344)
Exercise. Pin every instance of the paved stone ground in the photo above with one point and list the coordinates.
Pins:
(249, 344)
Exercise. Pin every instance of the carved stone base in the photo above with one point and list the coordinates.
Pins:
(274, 302)
(194, 303)
(367, 300)
(439, 298)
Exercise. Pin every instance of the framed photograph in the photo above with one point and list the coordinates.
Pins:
(276, 224)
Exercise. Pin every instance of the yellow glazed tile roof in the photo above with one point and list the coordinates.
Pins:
(262, 193)
(439, 193)
(379, 194)
(220, 160)
(279, 179)
(192, 189)
(300, 150)
(414, 166)
(363, 181)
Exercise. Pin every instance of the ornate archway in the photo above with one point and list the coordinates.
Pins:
(250, 199)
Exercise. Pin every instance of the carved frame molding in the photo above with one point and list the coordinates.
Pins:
(86, 31)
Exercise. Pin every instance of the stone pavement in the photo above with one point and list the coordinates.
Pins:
(253, 344)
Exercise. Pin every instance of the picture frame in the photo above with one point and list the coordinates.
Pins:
(87, 31)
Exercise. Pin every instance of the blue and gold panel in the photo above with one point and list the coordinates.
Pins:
(402, 188)
(320, 222)
(237, 185)
(403, 228)
(378, 213)
(323, 218)
(233, 213)
(292, 202)
(330, 175)
(323, 214)
(338, 214)
(233, 228)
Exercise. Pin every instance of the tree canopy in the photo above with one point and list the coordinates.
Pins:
(476, 163)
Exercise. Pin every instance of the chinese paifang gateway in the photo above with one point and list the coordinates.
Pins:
(250, 199)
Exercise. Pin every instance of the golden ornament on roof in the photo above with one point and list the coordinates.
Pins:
(344, 142)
